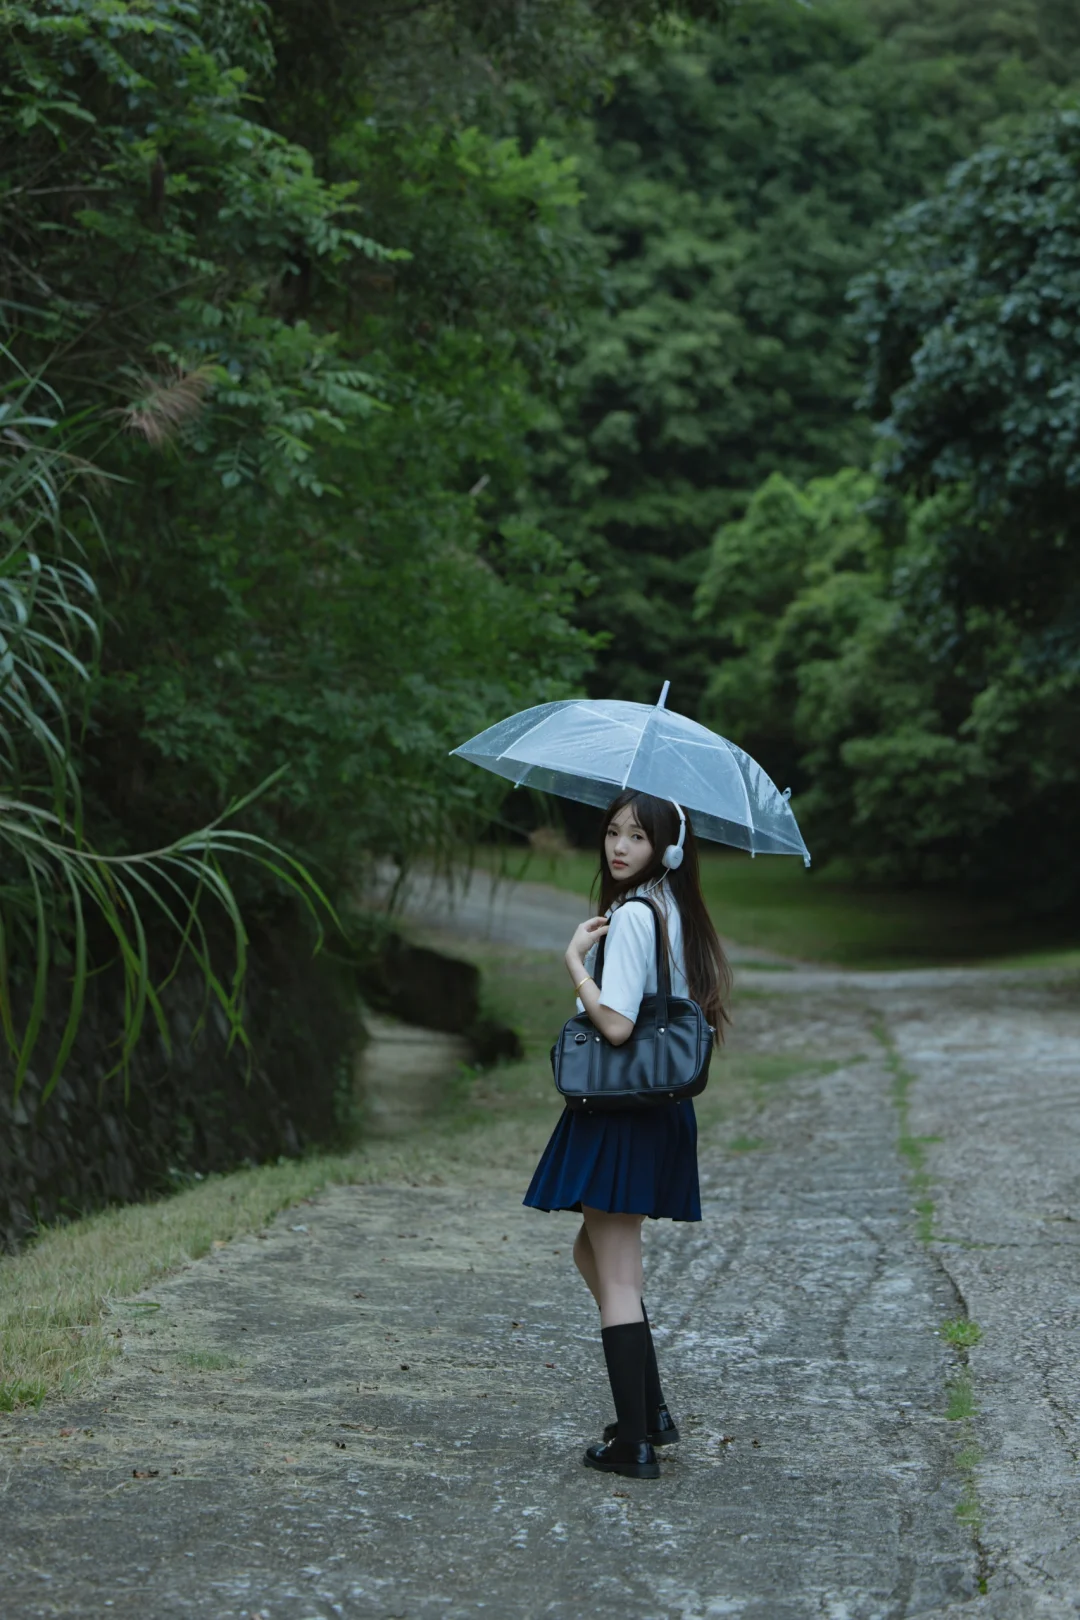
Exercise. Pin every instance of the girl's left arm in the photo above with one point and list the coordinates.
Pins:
(612, 1025)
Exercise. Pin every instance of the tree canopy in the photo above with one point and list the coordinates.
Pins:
(736, 180)
(313, 389)
(911, 644)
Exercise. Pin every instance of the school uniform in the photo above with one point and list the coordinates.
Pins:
(634, 1161)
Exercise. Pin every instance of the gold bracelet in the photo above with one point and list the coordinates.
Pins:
(580, 982)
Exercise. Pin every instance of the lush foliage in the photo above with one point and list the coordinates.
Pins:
(302, 297)
(54, 885)
(315, 548)
(737, 179)
(913, 651)
(984, 41)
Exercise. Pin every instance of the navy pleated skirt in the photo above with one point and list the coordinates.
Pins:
(630, 1163)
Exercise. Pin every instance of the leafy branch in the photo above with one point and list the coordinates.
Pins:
(51, 878)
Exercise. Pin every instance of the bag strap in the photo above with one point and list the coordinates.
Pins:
(663, 975)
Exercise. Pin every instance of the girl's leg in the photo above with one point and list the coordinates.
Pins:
(585, 1261)
(616, 1246)
(655, 1409)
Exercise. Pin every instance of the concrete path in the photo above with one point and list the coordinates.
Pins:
(378, 1410)
(501, 911)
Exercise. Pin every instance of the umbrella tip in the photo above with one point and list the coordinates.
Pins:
(662, 699)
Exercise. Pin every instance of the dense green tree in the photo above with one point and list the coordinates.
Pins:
(315, 556)
(986, 40)
(830, 681)
(737, 179)
(912, 649)
(302, 286)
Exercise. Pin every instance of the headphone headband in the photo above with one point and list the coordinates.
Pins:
(672, 857)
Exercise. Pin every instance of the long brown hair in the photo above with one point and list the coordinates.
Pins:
(707, 972)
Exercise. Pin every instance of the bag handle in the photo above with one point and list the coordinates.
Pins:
(663, 975)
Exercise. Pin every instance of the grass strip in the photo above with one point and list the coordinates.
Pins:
(961, 1408)
(912, 1148)
(56, 1296)
(959, 1332)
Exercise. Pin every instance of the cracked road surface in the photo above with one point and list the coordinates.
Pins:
(378, 1409)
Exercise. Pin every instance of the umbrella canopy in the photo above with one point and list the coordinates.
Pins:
(589, 749)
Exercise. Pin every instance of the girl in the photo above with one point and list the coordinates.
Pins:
(617, 1167)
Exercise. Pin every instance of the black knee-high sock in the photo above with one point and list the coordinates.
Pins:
(625, 1348)
(654, 1395)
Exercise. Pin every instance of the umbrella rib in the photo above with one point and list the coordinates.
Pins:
(746, 796)
(637, 746)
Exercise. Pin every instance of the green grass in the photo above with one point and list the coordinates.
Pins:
(959, 1332)
(969, 1508)
(960, 1404)
(209, 1361)
(912, 1148)
(962, 1332)
(775, 904)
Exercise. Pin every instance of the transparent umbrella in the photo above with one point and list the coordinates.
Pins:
(588, 749)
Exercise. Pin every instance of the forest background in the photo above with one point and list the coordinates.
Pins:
(373, 371)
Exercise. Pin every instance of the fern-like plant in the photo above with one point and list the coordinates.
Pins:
(52, 879)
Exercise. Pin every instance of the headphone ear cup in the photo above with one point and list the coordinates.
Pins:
(672, 857)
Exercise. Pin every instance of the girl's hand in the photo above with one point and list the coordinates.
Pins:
(586, 936)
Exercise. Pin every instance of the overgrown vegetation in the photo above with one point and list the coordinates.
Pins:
(59, 888)
(292, 427)
(310, 382)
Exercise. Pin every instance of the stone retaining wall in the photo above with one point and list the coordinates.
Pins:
(192, 1106)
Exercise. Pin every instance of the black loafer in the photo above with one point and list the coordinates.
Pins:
(635, 1459)
(663, 1434)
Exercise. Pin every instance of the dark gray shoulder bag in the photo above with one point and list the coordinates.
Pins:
(665, 1060)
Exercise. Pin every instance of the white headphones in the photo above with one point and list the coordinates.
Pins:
(672, 857)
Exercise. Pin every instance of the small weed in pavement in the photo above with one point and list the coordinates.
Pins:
(210, 1360)
(961, 1331)
(961, 1402)
(912, 1148)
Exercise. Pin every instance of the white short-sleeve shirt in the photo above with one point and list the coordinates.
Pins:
(630, 954)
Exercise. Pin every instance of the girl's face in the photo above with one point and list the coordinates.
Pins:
(626, 848)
